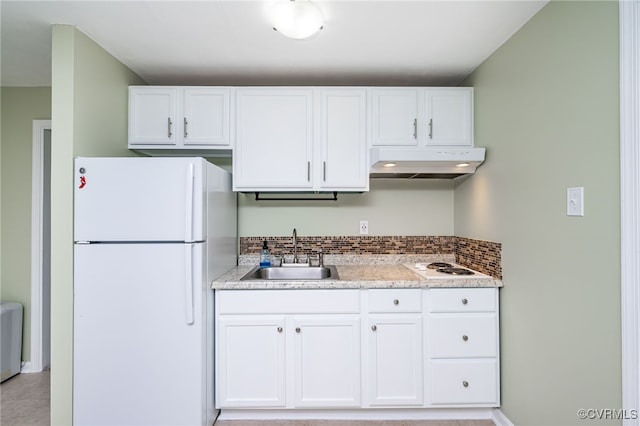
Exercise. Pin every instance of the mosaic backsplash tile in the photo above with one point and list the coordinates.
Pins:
(352, 245)
(483, 256)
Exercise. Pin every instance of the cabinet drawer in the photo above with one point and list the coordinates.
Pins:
(468, 336)
(464, 382)
(288, 301)
(395, 300)
(463, 300)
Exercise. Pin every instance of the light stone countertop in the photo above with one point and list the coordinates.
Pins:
(373, 274)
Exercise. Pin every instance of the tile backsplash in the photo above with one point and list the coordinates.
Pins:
(483, 256)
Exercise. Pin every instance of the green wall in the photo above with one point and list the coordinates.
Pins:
(392, 207)
(89, 118)
(546, 106)
(20, 106)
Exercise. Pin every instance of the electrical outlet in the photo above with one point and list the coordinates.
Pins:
(364, 227)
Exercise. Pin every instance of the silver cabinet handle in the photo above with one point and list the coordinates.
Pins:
(465, 337)
(279, 329)
(169, 123)
(465, 301)
(396, 302)
(415, 128)
(324, 171)
(374, 328)
(465, 384)
(308, 171)
(186, 123)
(431, 128)
(297, 329)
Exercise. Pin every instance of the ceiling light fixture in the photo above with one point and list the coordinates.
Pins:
(296, 19)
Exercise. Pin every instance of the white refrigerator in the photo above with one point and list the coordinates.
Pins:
(150, 234)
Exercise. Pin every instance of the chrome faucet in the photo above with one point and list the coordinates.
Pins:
(295, 246)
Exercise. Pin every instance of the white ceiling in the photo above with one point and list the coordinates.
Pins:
(231, 42)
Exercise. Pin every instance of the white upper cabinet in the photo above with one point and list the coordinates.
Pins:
(179, 117)
(297, 139)
(394, 116)
(342, 140)
(206, 116)
(274, 139)
(450, 115)
(152, 115)
(439, 116)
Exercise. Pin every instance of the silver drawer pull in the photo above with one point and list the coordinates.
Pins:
(465, 337)
(396, 302)
(374, 328)
(465, 384)
(279, 329)
(465, 301)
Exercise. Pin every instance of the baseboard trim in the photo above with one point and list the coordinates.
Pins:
(500, 419)
(365, 414)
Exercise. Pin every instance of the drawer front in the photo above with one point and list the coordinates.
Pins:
(463, 300)
(395, 300)
(464, 382)
(288, 301)
(468, 336)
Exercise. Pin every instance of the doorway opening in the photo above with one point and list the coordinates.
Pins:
(40, 248)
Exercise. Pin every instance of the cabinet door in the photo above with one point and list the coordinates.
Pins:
(152, 115)
(343, 141)
(273, 139)
(450, 116)
(394, 116)
(327, 361)
(206, 116)
(250, 362)
(395, 360)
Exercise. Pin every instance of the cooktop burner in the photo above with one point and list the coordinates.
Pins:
(455, 271)
(438, 265)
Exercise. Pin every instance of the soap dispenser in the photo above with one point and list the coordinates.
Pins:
(265, 258)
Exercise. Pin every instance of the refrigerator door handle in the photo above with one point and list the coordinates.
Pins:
(188, 229)
(188, 283)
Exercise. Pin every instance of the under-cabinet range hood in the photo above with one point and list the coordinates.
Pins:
(441, 163)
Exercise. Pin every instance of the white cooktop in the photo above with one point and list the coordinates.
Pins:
(422, 270)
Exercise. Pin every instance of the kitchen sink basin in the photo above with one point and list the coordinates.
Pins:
(290, 273)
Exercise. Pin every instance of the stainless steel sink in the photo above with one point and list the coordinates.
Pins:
(291, 273)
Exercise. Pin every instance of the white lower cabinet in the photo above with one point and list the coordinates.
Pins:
(395, 360)
(463, 347)
(250, 358)
(349, 348)
(462, 381)
(327, 361)
(395, 352)
(288, 349)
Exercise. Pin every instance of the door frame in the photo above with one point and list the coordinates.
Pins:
(37, 362)
(629, 12)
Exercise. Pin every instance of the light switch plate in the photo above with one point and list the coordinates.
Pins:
(575, 201)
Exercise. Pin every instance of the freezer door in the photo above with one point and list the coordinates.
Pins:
(139, 199)
(140, 335)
